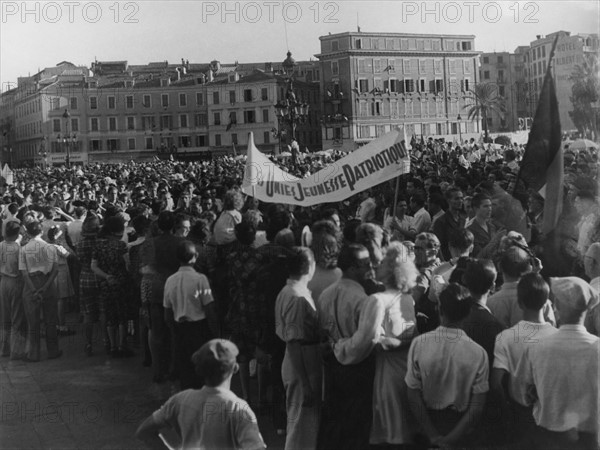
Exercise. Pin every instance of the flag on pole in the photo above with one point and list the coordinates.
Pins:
(234, 150)
(542, 166)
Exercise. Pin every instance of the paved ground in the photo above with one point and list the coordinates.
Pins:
(80, 402)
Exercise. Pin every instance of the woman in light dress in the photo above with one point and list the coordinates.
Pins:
(391, 417)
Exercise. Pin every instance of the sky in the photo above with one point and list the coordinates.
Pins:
(34, 35)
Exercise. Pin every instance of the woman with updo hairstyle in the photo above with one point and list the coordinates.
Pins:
(375, 239)
(297, 324)
(89, 301)
(325, 247)
(397, 321)
(110, 263)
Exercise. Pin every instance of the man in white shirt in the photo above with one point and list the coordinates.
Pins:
(562, 370)
(421, 218)
(509, 362)
(38, 263)
(591, 262)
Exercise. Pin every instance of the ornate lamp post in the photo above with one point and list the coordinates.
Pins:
(43, 153)
(459, 129)
(67, 139)
(290, 111)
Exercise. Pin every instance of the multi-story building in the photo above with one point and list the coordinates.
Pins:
(7, 128)
(570, 51)
(504, 71)
(118, 112)
(372, 82)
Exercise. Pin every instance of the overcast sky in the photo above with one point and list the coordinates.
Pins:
(45, 33)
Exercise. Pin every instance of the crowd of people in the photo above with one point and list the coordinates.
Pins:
(435, 312)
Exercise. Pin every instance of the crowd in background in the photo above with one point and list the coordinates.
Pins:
(402, 316)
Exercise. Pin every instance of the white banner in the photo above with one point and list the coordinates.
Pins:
(378, 161)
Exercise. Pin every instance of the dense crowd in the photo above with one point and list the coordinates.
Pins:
(403, 317)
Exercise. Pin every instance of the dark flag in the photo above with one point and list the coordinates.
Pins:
(413, 142)
(541, 169)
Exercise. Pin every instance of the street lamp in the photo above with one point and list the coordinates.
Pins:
(290, 111)
(459, 129)
(43, 153)
(68, 139)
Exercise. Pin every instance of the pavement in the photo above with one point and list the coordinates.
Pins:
(81, 402)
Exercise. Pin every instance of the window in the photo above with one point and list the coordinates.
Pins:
(201, 140)
(94, 102)
(96, 145)
(74, 124)
(112, 102)
(437, 66)
(216, 97)
(486, 59)
(486, 74)
(92, 85)
(452, 66)
(249, 117)
(375, 43)
(232, 97)
(200, 120)
(56, 125)
(363, 85)
(148, 122)
(391, 85)
(422, 66)
(500, 60)
(199, 98)
(266, 137)
(543, 51)
(439, 85)
(264, 94)
(501, 75)
(391, 66)
(357, 43)
(363, 109)
(164, 100)
(376, 65)
(376, 109)
(131, 123)
(406, 66)
(185, 141)
(232, 117)
(183, 121)
(129, 101)
(466, 45)
(465, 85)
(112, 124)
(182, 99)
(422, 85)
(166, 122)
(131, 143)
(335, 68)
(149, 143)
(409, 85)
(335, 46)
(73, 102)
(378, 84)
(94, 125)
(217, 118)
(147, 102)
(218, 140)
(265, 114)
(247, 95)
(234, 138)
(112, 145)
(467, 66)
(501, 91)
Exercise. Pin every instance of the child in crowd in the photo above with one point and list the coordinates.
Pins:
(212, 417)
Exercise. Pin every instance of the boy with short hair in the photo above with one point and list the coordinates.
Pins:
(509, 353)
(212, 417)
(189, 309)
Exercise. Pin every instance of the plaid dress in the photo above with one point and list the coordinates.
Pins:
(116, 297)
(88, 282)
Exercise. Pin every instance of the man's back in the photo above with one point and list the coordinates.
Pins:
(339, 307)
(211, 418)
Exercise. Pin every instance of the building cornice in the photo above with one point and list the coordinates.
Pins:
(398, 53)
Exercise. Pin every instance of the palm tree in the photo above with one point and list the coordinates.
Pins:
(487, 101)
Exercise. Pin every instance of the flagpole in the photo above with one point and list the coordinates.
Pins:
(397, 190)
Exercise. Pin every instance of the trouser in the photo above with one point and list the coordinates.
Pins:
(189, 337)
(33, 309)
(559, 440)
(14, 324)
(348, 407)
(159, 341)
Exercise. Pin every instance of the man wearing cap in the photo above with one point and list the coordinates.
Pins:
(562, 372)
(212, 417)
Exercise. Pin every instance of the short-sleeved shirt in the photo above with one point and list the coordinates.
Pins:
(187, 293)
(224, 231)
(509, 354)
(505, 307)
(447, 367)
(9, 259)
(211, 418)
(481, 326)
(563, 368)
(37, 256)
(296, 315)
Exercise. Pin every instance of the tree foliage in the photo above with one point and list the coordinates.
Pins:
(486, 101)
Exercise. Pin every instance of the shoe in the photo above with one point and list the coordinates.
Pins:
(56, 355)
(88, 350)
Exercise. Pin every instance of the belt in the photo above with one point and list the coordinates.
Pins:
(38, 274)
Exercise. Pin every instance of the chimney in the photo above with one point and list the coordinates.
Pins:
(268, 67)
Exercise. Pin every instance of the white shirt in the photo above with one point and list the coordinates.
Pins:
(448, 367)
(38, 256)
(187, 292)
(421, 221)
(509, 354)
(74, 231)
(563, 368)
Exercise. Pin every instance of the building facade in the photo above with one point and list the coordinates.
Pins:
(118, 112)
(570, 52)
(372, 82)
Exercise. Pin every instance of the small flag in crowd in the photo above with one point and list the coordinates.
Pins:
(542, 166)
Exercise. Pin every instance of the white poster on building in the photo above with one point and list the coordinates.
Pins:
(378, 161)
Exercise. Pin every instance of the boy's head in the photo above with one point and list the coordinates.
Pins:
(532, 291)
(479, 277)
(216, 361)
(455, 303)
(12, 231)
(186, 252)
